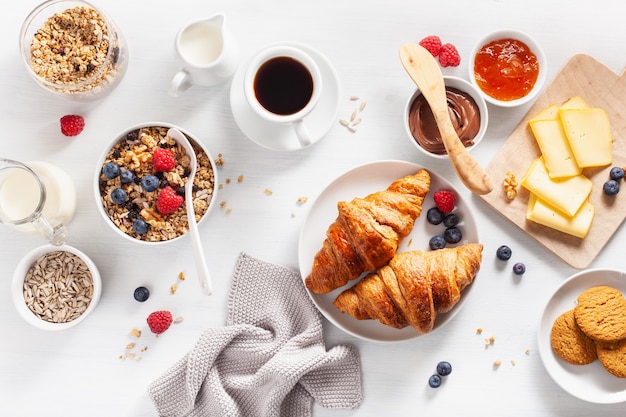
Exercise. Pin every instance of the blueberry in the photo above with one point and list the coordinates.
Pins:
(519, 268)
(140, 226)
(452, 235)
(141, 294)
(504, 253)
(444, 368)
(434, 216)
(617, 173)
(118, 196)
(111, 170)
(451, 220)
(150, 183)
(437, 242)
(434, 381)
(611, 187)
(127, 177)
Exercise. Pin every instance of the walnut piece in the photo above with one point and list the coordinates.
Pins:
(510, 185)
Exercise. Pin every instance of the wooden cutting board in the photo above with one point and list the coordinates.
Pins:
(582, 75)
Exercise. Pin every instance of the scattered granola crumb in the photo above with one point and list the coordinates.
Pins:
(302, 200)
(497, 363)
(181, 276)
(228, 211)
(220, 186)
(173, 288)
(143, 349)
(178, 319)
(219, 161)
(479, 330)
(227, 180)
(135, 332)
(490, 341)
(410, 242)
(240, 179)
(362, 107)
(513, 362)
(223, 204)
(138, 359)
(130, 346)
(527, 351)
(268, 191)
(354, 98)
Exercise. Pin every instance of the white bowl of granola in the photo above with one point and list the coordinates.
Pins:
(55, 287)
(139, 184)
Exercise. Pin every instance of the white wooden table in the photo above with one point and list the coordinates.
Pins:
(79, 372)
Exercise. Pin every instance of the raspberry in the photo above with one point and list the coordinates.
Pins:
(72, 125)
(159, 321)
(163, 159)
(168, 201)
(432, 44)
(449, 56)
(445, 200)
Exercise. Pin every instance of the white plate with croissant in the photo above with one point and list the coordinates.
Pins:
(364, 253)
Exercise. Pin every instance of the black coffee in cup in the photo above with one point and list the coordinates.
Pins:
(283, 85)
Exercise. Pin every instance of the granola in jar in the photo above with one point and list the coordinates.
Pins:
(128, 170)
(72, 48)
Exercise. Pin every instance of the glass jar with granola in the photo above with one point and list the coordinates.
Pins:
(72, 48)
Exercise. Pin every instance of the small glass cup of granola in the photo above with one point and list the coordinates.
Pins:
(73, 49)
(139, 184)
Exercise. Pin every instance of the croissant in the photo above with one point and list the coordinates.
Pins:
(414, 287)
(367, 232)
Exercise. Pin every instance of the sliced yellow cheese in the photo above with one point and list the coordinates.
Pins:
(588, 132)
(549, 113)
(575, 102)
(554, 146)
(541, 212)
(564, 194)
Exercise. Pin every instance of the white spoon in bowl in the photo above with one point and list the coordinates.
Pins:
(198, 254)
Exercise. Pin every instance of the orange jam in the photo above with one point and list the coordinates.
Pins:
(506, 69)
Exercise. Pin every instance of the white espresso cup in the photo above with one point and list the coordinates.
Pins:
(283, 84)
(208, 53)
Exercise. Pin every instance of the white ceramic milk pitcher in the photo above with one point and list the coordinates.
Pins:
(208, 53)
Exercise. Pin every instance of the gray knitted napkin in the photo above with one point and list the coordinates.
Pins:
(268, 361)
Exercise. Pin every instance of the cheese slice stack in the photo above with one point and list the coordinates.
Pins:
(571, 137)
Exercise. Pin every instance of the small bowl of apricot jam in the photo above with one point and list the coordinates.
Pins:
(508, 67)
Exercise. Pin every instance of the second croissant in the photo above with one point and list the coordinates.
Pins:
(414, 287)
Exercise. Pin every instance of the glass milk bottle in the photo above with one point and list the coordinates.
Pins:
(36, 197)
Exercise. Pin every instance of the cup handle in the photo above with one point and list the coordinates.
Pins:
(180, 83)
(304, 137)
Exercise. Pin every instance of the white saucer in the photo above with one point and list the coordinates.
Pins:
(282, 137)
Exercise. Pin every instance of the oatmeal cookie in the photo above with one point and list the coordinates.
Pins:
(570, 343)
(613, 358)
(601, 314)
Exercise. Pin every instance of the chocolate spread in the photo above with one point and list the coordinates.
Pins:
(464, 114)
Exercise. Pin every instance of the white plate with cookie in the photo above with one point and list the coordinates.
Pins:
(359, 182)
(592, 382)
